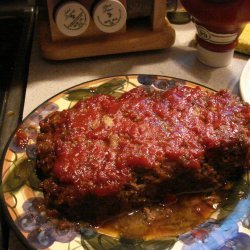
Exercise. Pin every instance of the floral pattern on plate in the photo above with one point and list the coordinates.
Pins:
(227, 229)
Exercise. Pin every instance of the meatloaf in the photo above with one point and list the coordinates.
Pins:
(106, 154)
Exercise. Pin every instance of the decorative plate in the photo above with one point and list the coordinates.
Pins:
(245, 83)
(227, 228)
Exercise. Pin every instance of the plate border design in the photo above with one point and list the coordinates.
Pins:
(6, 213)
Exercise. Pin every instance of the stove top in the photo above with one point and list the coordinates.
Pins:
(16, 29)
(10, 30)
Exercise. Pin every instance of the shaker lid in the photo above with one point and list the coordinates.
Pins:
(110, 15)
(72, 18)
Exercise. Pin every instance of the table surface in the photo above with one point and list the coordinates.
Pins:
(47, 78)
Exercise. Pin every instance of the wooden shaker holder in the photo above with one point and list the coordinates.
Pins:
(139, 34)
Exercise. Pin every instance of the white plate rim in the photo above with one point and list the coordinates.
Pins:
(245, 83)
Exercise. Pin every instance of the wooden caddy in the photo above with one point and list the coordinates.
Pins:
(139, 34)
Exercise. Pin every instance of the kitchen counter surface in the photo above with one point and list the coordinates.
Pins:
(47, 78)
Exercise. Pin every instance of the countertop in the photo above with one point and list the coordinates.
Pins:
(47, 78)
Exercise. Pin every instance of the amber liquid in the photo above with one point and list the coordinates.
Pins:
(164, 220)
(179, 215)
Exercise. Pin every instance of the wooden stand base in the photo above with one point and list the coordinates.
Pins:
(138, 37)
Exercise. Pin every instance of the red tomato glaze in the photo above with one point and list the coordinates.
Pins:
(106, 137)
(21, 139)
